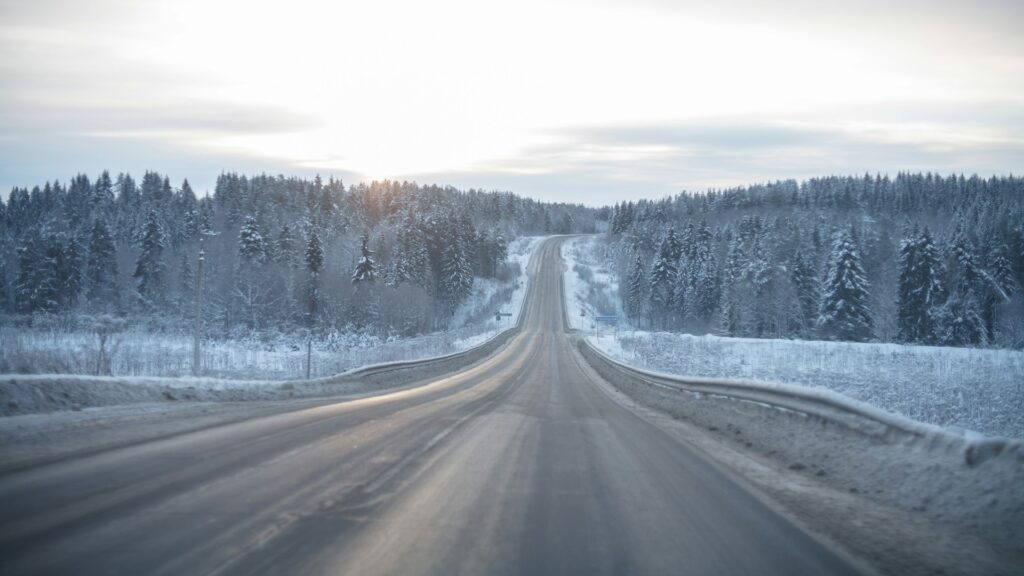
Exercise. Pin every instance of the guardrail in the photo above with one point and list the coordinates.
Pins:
(428, 367)
(824, 405)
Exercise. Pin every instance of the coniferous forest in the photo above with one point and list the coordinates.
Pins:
(278, 253)
(915, 258)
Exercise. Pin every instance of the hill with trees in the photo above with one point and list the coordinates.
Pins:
(917, 258)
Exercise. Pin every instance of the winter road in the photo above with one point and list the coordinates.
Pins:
(520, 464)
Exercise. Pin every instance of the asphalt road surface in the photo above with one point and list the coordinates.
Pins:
(520, 464)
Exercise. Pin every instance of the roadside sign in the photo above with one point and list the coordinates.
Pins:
(609, 319)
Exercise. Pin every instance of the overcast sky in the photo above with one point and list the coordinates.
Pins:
(588, 101)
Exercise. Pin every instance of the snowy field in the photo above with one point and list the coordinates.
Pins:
(264, 357)
(961, 388)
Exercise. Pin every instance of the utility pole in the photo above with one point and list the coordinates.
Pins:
(198, 336)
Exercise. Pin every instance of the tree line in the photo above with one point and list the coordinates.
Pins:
(278, 253)
(915, 258)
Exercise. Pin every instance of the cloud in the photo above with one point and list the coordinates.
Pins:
(184, 118)
(599, 165)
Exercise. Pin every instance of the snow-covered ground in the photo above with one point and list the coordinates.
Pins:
(591, 288)
(264, 357)
(972, 389)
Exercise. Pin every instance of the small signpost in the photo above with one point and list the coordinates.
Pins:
(610, 320)
(498, 315)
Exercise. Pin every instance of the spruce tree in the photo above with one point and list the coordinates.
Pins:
(731, 310)
(284, 251)
(672, 246)
(314, 254)
(101, 267)
(150, 267)
(252, 249)
(663, 278)
(314, 263)
(70, 276)
(456, 274)
(805, 282)
(366, 270)
(961, 322)
(703, 290)
(920, 290)
(37, 287)
(102, 191)
(844, 307)
(1000, 286)
(636, 289)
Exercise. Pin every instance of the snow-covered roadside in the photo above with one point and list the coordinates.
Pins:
(30, 394)
(958, 388)
(486, 298)
(591, 290)
(138, 352)
(908, 508)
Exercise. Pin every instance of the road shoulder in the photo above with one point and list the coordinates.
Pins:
(865, 527)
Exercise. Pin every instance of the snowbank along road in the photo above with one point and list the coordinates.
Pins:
(519, 464)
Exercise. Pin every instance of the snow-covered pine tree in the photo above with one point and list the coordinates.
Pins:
(920, 294)
(284, 251)
(206, 216)
(102, 191)
(190, 225)
(961, 322)
(844, 312)
(366, 270)
(150, 267)
(411, 259)
(101, 275)
(314, 254)
(730, 316)
(672, 246)
(805, 280)
(70, 275)
(1000, 285)
(36, 288)
(314, 263)
(636, 289)
(252, 249)
(456, 274)
(615, 225)
(663, 279)
(681, 290)
(703, 290)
